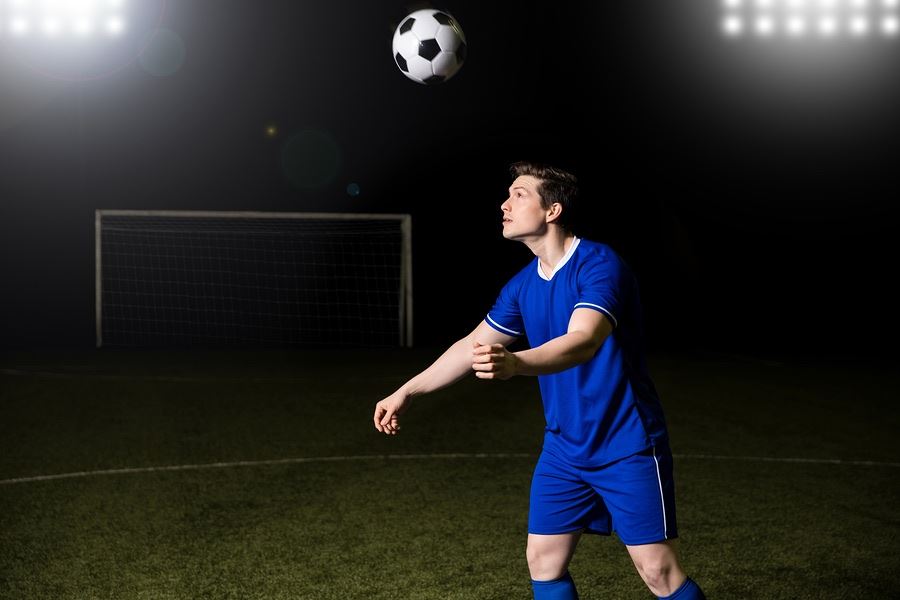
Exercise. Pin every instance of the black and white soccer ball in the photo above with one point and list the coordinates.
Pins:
(429, 46)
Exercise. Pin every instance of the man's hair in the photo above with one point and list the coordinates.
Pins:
(554, 185)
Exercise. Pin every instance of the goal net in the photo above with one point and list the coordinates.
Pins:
(213, 278)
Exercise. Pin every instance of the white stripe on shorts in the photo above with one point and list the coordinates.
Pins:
(662, 499)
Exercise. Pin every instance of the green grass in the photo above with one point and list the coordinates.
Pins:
(429, 528)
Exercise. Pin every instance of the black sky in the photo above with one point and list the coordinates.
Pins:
(753, 188)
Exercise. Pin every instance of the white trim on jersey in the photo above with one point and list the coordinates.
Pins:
(662, 499)
(499, 326)
(601, 309)
(562, 262)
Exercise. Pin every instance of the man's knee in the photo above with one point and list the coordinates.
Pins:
(546, 562)
(657, 576)
(658, 566)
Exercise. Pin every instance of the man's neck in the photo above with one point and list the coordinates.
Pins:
(551, 247)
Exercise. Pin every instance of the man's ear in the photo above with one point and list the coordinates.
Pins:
(554, 211)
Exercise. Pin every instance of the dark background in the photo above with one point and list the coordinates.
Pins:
(751, 186)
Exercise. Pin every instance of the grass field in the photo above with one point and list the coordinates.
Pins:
(284, 490)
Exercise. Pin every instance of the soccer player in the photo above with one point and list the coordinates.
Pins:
(605, 464)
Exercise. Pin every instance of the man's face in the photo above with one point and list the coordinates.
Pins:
(523, 215)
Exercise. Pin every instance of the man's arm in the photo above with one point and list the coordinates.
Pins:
(449, 368)
(587, 331)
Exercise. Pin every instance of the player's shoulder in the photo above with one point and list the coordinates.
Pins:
(598, 253)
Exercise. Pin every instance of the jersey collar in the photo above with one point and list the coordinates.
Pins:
(562, 262)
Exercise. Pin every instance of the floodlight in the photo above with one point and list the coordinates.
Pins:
(115, 25)
(827, 26)
(733, 25)
(765, 26)
(83, 40)
(82, 27)
(62, 18)
(796, 26)
(859, 26)
(796, 18)
(50, 27)
(19, 26)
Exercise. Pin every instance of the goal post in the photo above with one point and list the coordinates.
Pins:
(213, 278)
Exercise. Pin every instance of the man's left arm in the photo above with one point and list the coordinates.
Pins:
(588, 328)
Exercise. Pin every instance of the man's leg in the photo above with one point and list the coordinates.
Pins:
(658, 566)
(548, 562)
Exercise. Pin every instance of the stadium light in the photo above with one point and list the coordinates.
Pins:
(764, 26)
(115, 25)
(796, 26)
(80, 40)
(62, 19)
(823, 19)
(889, 25)
(733, 25)
(18, 26)
(827, 25)
(859, 26)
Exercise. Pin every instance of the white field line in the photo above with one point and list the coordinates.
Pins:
(776, 459)
(254, 463)
(374, 457)
(185, 378)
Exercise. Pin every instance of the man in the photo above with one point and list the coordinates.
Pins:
(605, 464)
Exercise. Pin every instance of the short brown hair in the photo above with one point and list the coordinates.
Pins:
(554, 185)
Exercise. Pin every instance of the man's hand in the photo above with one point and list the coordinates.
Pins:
(388, 411)
(493, 361)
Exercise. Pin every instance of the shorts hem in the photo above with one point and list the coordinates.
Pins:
(648, 540)
(560, 531)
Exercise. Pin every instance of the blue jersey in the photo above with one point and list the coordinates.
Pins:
(606, 408)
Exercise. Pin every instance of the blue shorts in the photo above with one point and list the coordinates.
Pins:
(633, 497)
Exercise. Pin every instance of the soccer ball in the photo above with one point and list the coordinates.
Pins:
(429, 46)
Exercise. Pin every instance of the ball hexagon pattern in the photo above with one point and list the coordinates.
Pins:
(429, 46)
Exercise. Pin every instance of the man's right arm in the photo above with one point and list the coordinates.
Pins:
(454, 364)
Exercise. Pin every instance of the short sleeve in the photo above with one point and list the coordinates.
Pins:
(600, 286)
(506, 316)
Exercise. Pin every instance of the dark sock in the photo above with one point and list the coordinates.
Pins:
(689, 590)
(557, 589)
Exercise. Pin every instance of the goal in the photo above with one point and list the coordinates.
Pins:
(213, 278)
